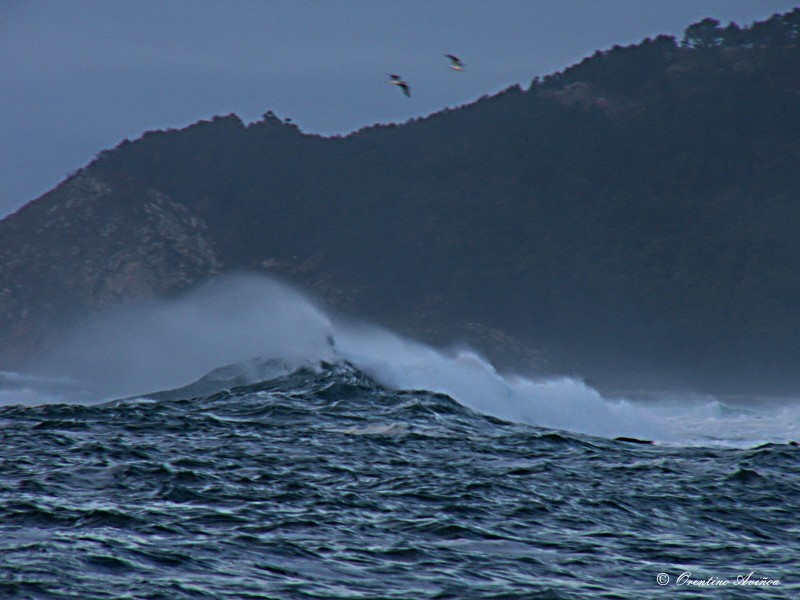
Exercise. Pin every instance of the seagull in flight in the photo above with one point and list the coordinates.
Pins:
(398, 81)
(455, 62)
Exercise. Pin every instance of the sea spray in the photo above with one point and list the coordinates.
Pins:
(560, 403)
(248, 320)
(167, 343)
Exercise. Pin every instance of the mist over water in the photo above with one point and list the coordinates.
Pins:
(256, 446)
(170, 343)
(247, 320)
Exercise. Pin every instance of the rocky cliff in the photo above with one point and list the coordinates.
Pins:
(88, 245)
(633, 218)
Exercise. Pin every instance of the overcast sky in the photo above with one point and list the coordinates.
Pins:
(78, 76)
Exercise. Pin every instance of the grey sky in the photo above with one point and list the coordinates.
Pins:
(78, 76)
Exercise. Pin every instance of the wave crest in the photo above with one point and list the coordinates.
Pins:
(170, 344)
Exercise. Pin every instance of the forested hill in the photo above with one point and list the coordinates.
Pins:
(635, 214)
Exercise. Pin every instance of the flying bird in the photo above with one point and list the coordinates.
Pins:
(455, 62)
(403, 85)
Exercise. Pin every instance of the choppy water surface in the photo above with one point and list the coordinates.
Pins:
(320, 483)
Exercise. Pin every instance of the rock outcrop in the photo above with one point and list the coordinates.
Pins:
(86, 246)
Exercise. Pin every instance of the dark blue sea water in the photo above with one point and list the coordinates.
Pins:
(359, 478)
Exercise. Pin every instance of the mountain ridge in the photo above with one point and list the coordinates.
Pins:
(631, 216)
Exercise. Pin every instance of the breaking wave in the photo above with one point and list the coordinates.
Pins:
(251, 323)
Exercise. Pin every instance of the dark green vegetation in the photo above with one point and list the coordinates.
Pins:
(635, 215)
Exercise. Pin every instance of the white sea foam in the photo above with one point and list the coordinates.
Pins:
(562, 403)
(235, 318)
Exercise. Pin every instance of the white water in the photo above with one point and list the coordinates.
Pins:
(236, 318)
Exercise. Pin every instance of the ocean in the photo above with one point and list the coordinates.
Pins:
(241, 443)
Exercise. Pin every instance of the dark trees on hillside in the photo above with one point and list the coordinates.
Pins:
(638, 210)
